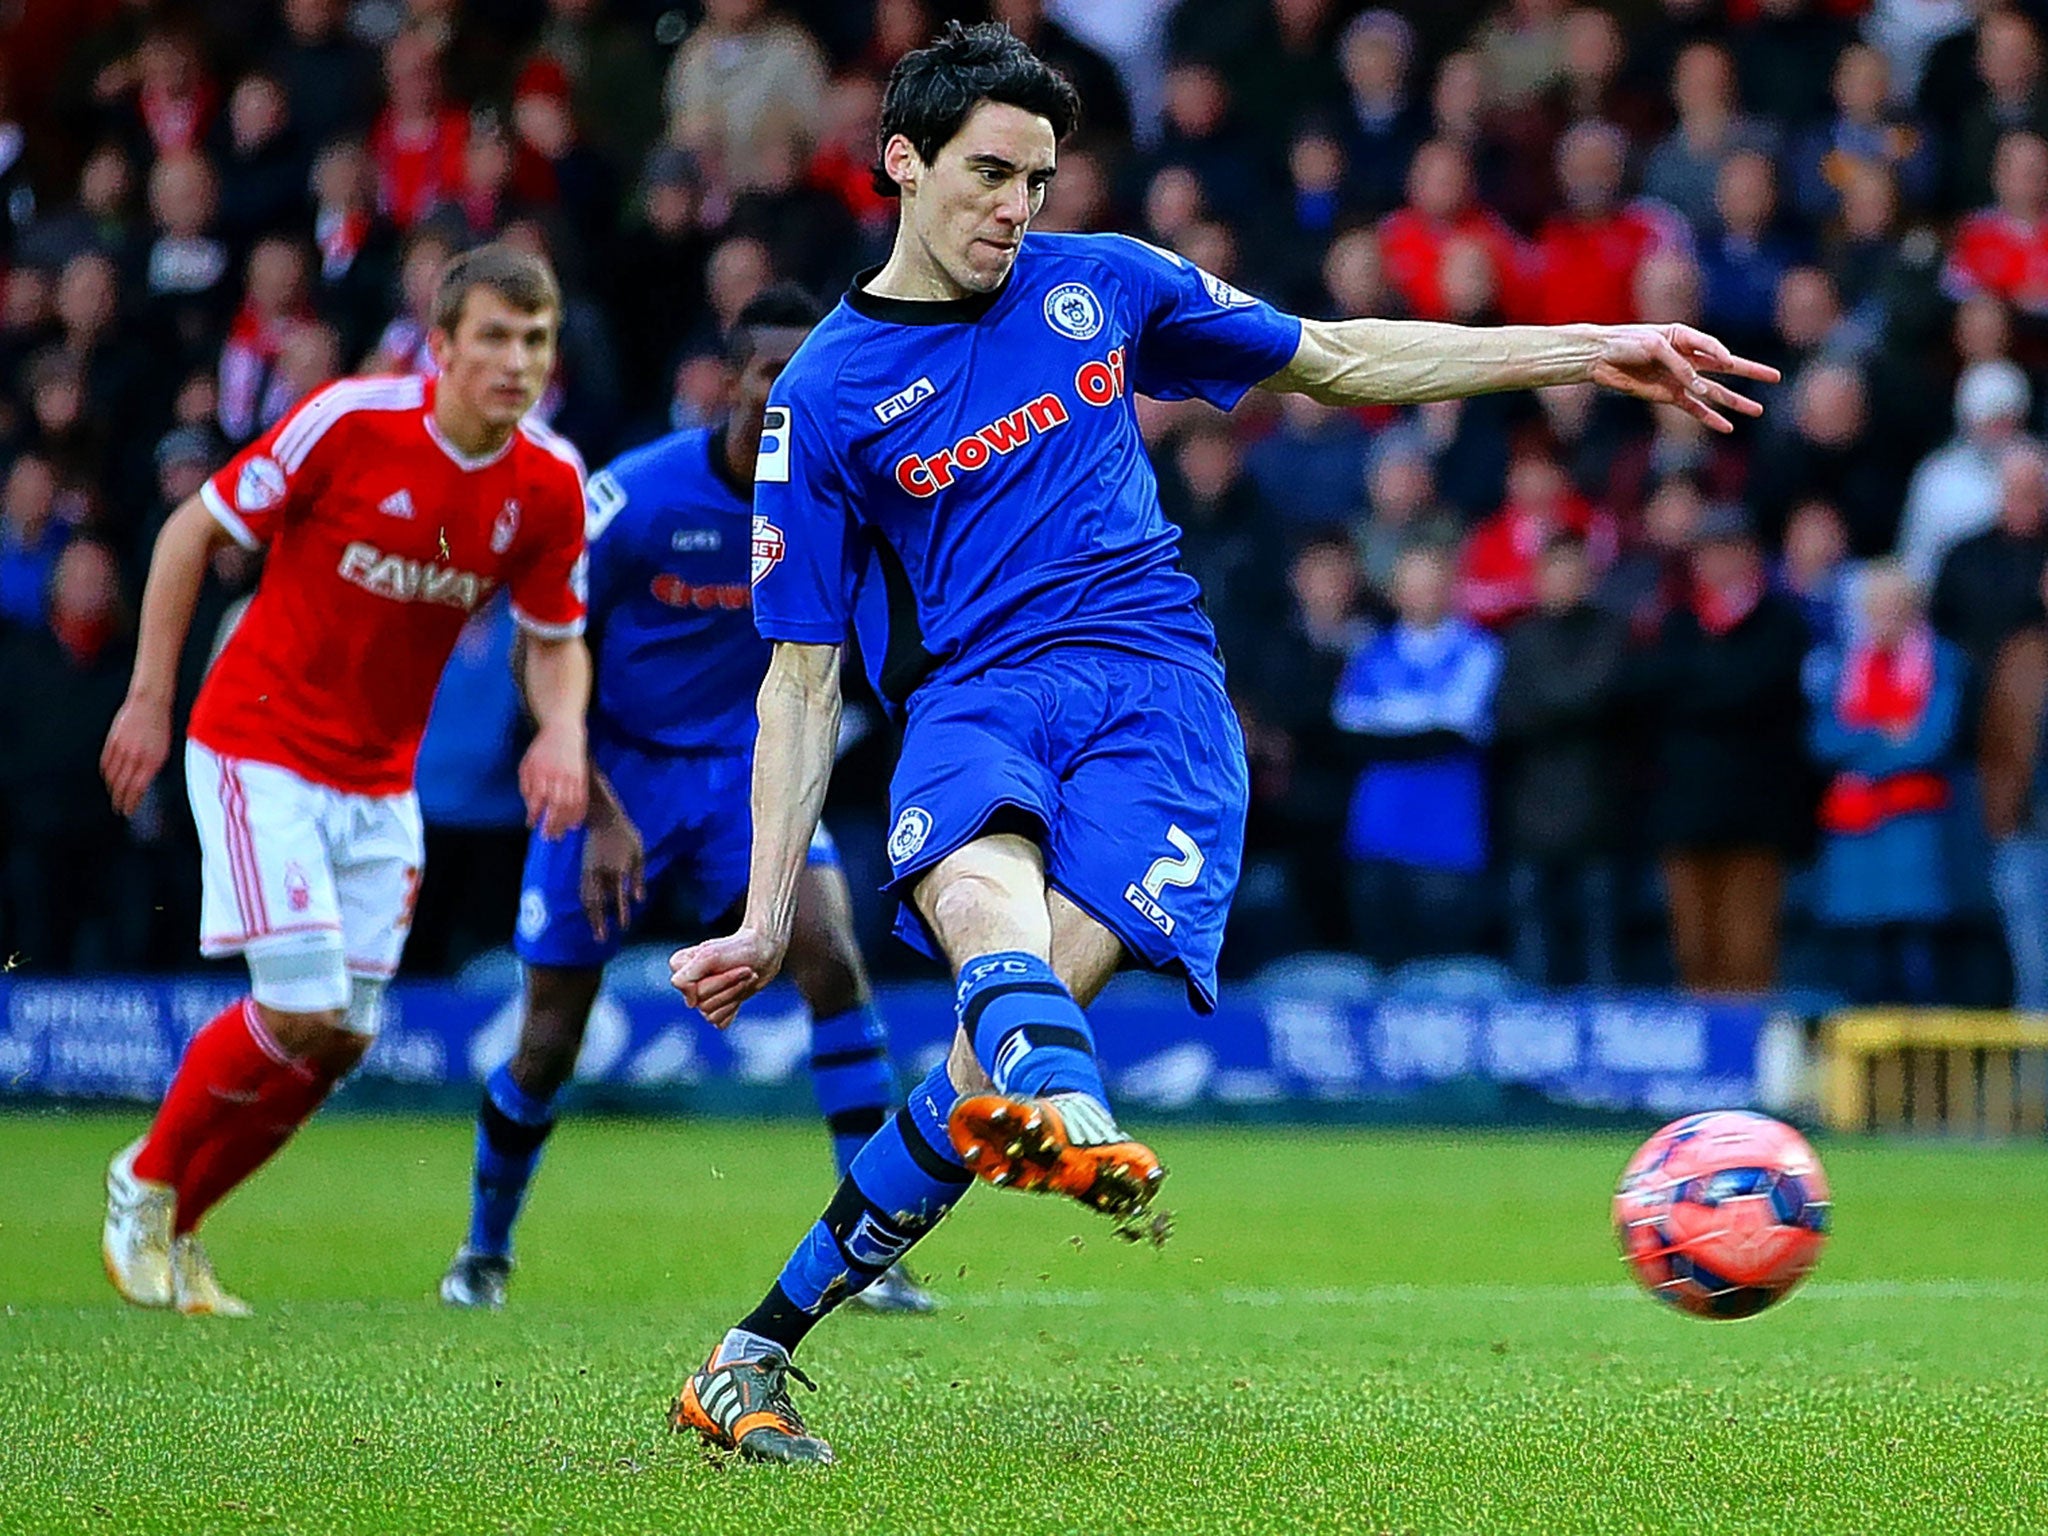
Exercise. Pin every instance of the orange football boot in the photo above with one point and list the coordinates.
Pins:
(744, 1406)
(1064, 1144)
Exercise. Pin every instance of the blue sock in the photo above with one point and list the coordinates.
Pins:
(1029, 1034)
(511, 1126)
(902, 1182)
(851, 1077)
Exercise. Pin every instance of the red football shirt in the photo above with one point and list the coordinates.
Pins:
(1995, 253)
(384, 537)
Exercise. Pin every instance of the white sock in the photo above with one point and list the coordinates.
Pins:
(738, 1344)
(1087, 1119)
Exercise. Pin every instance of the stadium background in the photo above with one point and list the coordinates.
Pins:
(211, 208)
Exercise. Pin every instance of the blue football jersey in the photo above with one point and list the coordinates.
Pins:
(671, 632)
(962, 483)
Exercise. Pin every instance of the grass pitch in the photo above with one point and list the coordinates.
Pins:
(1348, 1332)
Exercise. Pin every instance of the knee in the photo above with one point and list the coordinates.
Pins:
(321, 1038)
(976, 910)
(829, 975)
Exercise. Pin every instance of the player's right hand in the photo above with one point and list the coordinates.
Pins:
(137, 745)
(715, 977)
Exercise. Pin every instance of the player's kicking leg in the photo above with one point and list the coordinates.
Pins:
(909, 1175)
(850, 1071)
(513, 1120)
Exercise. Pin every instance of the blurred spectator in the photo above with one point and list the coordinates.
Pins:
(31, 539)
(1989, 585)
(1732, 804)
(660, 261)
(1954, 492)
(263, 163)
(1683, 169)
(184, 457)
(1521, 47)
(1354, 282)
(810, 236)
(844, 158)
(1284, 676)
(1785, 56)
(1226, 531)
(191, 275)
(1866, 130)
(468, 780)
(1652, 573)
(1402, 511)
(1416, 702)
(1814, 570)
(103, 217)
(420, 140)
(2014, 773)
(2003, 250)
(402, 346)
(1077, 202)
(359, 248)
(614, 77)
(1908, 32)
(253, 394)
(1887, 726)
(552, 167)
(743, 78)
(1203, 133)
(1555, 719)
(1105, 108)
(1441, 208)
(1384, 125)
(1588, 253)
(69, 868)
(1823, 454)
(1498, 573)
(2008, 99)
(1309, 469)
(174, 100)
(330, 79)
(1746, 257)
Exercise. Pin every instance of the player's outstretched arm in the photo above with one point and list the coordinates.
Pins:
(140, 738)
(1406, 362)
(554, 776)
(799, 733)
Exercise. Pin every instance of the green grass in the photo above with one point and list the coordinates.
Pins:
(1349, 1332)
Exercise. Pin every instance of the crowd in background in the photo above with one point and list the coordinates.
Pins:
(1555, 678)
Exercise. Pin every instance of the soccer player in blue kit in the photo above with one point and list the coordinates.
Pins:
(952, 472)
(671, 724)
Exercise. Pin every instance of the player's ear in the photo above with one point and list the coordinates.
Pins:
(438, 344)
(902, 161)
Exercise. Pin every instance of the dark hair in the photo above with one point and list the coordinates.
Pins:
(933, 90)
(780, 306)
(519, 278)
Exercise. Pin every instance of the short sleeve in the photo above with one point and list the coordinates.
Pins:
(608, 538)
(802, 506)
(253, 493)
(549, 582)
(1198, 337)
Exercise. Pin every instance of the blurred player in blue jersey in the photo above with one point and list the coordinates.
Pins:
(952, 471)
(677, 666)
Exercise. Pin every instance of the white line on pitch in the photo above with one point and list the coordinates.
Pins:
(1385, 1295)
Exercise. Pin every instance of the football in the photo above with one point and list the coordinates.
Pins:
(1722, 1214)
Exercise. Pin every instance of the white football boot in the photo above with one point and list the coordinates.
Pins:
(135, 1242)
(198, 1289)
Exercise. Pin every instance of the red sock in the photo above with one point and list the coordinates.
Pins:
(224, 1068)
(246, 1141)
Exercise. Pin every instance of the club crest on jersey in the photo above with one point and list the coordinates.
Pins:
(506, 528)
(1073, 310)
(767, 547)
(912, 828)
(533, 913)
(260, 486)
(905, 400)
(298, 891)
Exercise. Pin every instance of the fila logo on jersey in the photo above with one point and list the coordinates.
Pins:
(506, 528)
(411, 581)
(1073, 310)
(397, 504)
(767, 547)
(772, 465)
(260, 486)
(1097, 381)
(904, 401)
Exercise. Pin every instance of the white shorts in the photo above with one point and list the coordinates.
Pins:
(316, 886)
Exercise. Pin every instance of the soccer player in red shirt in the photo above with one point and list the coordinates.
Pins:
(392, 508)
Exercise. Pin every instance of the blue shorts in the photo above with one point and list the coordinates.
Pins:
(696, 823)
(1130, 773)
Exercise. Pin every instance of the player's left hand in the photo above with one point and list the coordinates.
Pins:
(1669, 364)
(715, 977)
(554, 780)
(614, 871)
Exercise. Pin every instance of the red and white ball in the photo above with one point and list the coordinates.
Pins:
(1722, 1214)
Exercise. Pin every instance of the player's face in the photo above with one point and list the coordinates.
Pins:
(770, 349)
(971, 206)
(497, 359)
